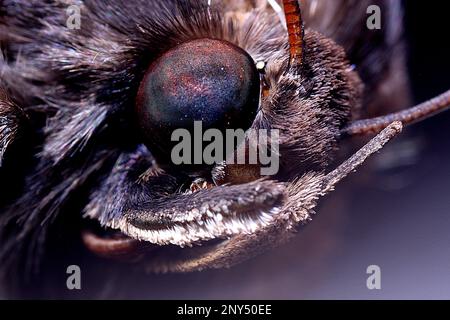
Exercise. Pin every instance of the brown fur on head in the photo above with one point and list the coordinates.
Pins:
(310, 110)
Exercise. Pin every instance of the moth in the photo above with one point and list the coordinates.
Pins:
(87, 154)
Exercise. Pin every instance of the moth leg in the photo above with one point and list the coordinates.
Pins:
(408, 116)
(11, 119)
(359, 157)
(119, 248)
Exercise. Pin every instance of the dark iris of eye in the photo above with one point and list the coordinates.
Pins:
(206, 80)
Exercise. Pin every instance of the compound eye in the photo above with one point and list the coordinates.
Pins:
(206, 80)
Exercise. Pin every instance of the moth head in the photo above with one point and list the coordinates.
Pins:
(106, 99)
(258, 74)
(113, 93)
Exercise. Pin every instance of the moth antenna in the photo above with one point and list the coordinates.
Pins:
(408, 116)
(359, 157)
(294, 23)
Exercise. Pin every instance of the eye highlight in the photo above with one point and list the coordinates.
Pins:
(206, 80)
